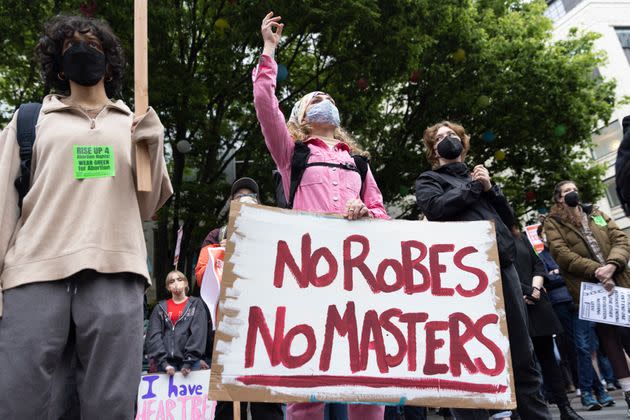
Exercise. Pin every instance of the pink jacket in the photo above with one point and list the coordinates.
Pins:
(323, 189)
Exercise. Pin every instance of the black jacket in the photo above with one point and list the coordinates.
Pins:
(542, 320)
(449, 194)
(622, 168)
(183, 342)
(527, 264)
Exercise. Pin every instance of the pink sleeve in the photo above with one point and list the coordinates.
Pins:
(372, 197)
(271, 119)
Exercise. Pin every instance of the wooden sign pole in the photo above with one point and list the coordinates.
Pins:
(236, 405)
(141, 89)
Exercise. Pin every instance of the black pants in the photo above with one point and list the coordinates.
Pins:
(566, 341)
(406, 412)
(614, 340)
(260, 411)
(551, 372)
(104, 314)
(527, 378)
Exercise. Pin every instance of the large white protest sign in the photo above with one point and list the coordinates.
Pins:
(597, 305)
(177, 397)
(319, 308)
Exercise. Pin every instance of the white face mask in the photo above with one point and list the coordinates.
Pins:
(324, 112)
(246, 199)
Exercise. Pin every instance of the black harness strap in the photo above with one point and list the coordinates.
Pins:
(299, 163)
(26, 121)
(348, 166)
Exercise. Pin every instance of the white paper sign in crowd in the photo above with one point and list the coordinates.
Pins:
(598, 306)
(211, 282)
(319, 308)
(177, 397)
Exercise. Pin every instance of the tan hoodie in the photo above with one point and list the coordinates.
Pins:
(68, 224)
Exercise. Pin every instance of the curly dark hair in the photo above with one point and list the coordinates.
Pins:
(50, 46)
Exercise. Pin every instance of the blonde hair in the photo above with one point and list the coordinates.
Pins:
(429, 139)
(178, 273)
(301, 132)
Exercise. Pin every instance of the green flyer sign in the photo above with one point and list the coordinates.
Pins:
(93, 161)
(599, 220)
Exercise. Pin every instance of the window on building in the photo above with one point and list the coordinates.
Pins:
(555, 10)
(570, 4)
(611, 192)
(624, 38)
(606, 140)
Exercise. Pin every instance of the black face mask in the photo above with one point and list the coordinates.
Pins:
(450, 148)
(83, 64)
(572, 199)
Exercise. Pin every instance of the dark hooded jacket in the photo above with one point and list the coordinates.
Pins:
(449, 194)
(184, 342)
(622, 168)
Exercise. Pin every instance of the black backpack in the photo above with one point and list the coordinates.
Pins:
(26, 122)
(299, 163)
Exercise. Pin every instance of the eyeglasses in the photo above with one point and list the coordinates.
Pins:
(445, 135)
(239, 196)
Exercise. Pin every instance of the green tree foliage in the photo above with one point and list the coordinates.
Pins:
(394, 68)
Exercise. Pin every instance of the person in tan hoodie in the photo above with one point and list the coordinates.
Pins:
(73, 258)
(589, 246)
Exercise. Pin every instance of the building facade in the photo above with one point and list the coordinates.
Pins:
(611, 19)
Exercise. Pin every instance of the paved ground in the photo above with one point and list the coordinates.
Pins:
(609, 413)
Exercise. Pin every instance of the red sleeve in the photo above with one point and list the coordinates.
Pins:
(202, 262)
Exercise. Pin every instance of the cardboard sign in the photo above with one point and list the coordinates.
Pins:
(597, 305)
(319, 308)
(93, 161)
(532, 235)
(175, 397)
(211, 283)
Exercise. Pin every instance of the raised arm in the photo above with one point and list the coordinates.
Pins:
(271, 119)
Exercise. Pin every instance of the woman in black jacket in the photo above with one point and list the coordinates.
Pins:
(178, 329)
(451, 192)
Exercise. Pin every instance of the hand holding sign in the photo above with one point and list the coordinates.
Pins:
(605, 272)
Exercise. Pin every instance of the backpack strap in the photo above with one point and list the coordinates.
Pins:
(299, 163)
(281, 200)
(362, 163)
(26, 121)
(298, 166)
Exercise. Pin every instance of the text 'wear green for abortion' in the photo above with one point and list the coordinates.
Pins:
(93, 161)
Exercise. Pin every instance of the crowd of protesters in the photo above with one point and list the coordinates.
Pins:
(85, 336)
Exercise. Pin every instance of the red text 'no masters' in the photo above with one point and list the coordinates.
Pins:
(353, 335)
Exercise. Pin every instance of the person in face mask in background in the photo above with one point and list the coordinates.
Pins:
(589, 246)
(177, 332)
(73, 264)
(244, 190)
(451, 192)
(330, 183)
